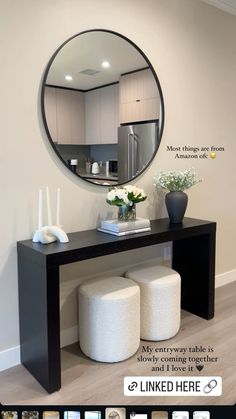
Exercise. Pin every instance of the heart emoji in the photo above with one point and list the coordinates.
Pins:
(199, 367)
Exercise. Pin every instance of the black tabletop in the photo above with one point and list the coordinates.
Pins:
(91, 243)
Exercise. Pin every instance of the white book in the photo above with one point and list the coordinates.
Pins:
(120, 226)
(124, 233)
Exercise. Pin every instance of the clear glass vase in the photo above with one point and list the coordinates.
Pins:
(127, 213)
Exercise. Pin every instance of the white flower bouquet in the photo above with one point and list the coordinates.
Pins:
(126, 195)
(177, 181)
(126, 198)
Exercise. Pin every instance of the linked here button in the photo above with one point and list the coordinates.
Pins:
(173, 386)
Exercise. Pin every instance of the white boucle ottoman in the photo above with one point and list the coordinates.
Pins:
(109, 318)
(160, 300)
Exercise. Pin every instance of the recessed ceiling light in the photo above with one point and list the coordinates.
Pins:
(105, 64)
(68, 77)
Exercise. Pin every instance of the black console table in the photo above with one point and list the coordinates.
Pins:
(38, 270)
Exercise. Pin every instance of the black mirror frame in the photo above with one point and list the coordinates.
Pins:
(43, 107)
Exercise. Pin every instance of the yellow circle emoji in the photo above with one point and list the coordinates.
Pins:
(212, 155)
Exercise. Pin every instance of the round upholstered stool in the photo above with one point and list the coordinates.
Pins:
(109, 318)
(160, 300)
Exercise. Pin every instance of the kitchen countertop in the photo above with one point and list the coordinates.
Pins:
(100, 176)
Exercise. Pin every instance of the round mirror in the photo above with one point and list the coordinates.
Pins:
(102, 107)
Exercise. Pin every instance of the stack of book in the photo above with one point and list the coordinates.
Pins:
(123, 228)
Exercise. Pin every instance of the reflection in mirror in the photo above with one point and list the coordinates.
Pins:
(102, 107)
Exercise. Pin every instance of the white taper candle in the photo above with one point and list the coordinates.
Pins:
(40, 211)
(49, 207)
(58, 207)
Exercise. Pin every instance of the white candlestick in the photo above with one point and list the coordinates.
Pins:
(40, 212)
(58, 207)
(48, 207)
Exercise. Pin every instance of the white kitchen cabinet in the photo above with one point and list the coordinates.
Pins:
(102, 115)
(65, 115)
(63, 104)
(92, 117)
(77, 117)
(139, 98)
(109, 114)
(50, 111)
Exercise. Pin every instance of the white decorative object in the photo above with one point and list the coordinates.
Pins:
(58, 206)
(49, 233)
(121, 226)
(49, 207)
(160, 289)
(95, 168)
(124, 228)
(124, 233)
(40, 211)
(109, 318)
(107, 168)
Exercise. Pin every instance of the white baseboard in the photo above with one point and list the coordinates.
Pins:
(11, 357)
(225, 278)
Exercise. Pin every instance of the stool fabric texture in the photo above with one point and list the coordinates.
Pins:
(109, 318)
(160, 289)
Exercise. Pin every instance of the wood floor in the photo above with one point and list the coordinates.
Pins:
(85, 382)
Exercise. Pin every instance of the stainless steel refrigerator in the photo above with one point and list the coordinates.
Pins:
(136, 146)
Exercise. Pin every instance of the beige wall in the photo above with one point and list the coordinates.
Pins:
(192, 47)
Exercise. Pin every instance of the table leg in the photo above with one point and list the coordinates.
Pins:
(40, 321)
(194, 259)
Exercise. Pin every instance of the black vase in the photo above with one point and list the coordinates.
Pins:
(176, 204)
